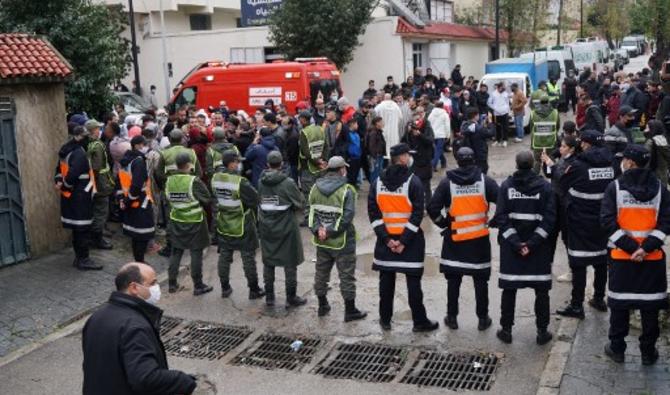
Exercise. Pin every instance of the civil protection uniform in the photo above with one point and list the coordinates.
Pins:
(76, 203)
(187, 230)
(313, 146)
(545, 124)
(554, 92)
(281, 243)
(583, 185)
(138, 216)
(332, 204)
(214, 157)
(395, 210)
(525, 213)
(636, 213)
(465, 194)
(104, 182)
(237, 202)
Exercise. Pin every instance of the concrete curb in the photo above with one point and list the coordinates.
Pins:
(68, 327)
(550, 380)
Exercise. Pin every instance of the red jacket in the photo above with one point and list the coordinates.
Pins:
(348, 114)
(613, 104)
(581, 115)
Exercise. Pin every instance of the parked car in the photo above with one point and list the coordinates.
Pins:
(632, 45)
(624, 55)
(133, 103)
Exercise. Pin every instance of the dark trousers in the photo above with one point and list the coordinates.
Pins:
(508, 304)
(454, 291)
(619, 324)
(290, 277)
(139, 249)
(427, 192)
(353, 171)
(571, 102)
(81, 241)
(414, 294)
(579, 283)
(502, 125)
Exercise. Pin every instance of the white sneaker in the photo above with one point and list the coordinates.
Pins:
(495, 144)
(517, 140)
(504, 144)
(565, 278)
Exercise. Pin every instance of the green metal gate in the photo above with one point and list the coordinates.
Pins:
(13, 238)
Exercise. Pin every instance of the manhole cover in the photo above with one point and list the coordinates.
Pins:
(370, 362)
(205, 340)
(273, 351)
(453, 371)
(168, 324)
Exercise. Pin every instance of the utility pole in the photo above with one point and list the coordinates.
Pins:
(560, 20)
(133, 40)
(166, 77)
(581, 18)
(497, 52)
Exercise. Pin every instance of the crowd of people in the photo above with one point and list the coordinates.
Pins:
(240, 181)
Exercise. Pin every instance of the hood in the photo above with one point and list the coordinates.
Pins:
(268, 142)
(129, 156)
(330, 183)
(641, 183)
(597, 156)
(527, 182)
(543, 110)
(465, 175)
(272, 177)
(70, 146)
(394, 176)
(222, 146)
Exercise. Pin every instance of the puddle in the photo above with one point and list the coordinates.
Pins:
(364, 265)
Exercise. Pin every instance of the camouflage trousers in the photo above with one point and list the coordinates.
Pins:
(346, 269)
(248, 264)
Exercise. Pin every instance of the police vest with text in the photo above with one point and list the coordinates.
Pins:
(468, 211)
(170, 159)
(396, 208)
(216, 156)
(329, 211)
(126, 180)
(184, 207)
(544, 130)
(231, 214)
(637, 220)
(316, 141)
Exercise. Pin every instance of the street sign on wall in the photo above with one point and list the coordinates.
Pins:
(256, 12)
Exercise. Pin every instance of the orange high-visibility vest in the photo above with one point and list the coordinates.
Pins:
(64, 167)
(636, 219)
(126, 179)
(468, 211)
(395, 206)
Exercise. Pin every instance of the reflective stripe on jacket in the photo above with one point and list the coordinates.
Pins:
(396, 208)
(468, 211)
(184, 207)
(231, 213)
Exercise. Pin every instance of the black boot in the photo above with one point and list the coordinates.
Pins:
(650, 358)
(226, 290)
(505, 335)
(572, 310)
(173, 286)
(351, 313)
(426, 326)
(598, 304)
(451, 322)
(201, 288)
(255, 292)
(614, 356)
(87, 264)
(293, 300)
(101, 243)
(543, 337)
(484, 323)
(324, 306)
(269, 295)
(165, 251)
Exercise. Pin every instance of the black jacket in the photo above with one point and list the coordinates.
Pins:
(123, 353)
(474, 135)
(76, 203)
(594, 119)
(138, 215)
(423, 147)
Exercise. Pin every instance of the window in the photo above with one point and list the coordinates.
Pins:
(442, 10)
(417, 55)
(247, 55)
(186, 97)
(200, 21)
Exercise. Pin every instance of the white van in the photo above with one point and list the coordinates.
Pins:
(585, 54)
(521, 79)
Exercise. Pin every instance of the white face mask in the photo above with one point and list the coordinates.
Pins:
(154, 294)
(239, 167)
(144, 150)
(623, 169)
(411, 162)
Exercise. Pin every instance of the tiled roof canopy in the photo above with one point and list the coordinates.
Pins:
(25, 56)
(449, 31)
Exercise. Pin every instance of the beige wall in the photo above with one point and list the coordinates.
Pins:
(472, 56)
(40, 131)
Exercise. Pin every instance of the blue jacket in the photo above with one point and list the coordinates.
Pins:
(257, 157)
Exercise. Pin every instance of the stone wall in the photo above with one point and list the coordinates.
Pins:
(40, 131)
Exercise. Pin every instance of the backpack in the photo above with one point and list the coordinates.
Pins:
(354, 149)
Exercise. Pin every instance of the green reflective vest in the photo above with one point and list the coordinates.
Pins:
(184, 207)
(329, 211)
(170, 159)
(231, 214)
(216, 156)
(553, 91)
(105, 171)
(316, 142)
(544, 130)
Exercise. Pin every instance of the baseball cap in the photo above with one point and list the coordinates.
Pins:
(337, 162)
(274, 158)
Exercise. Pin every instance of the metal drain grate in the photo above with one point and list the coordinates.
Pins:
(168, 324)
(370, 362)
(205, 340)
(453, 371)
(271, 351)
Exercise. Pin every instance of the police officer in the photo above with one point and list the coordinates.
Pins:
(237, 202)
(332, 203)
(583, 185)
(537, 94)
(554, 92)
(281, 243)
(525, 215)
(395, 209)
(214, 154)
(104, 183)
(544, 126)
(187, 230)
(313, 156)
(136, 198)
(619, 135)
(74, 181)
(465, 194)
(636, 214)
